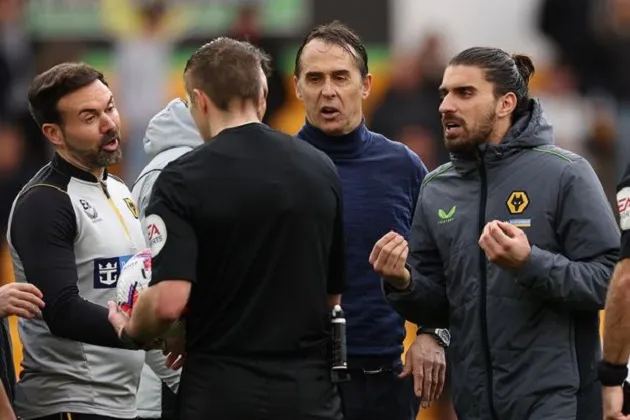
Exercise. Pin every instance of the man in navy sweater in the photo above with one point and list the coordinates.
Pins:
(380, 181)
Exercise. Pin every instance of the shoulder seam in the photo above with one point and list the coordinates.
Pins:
(144, 175)
(554, 153)
(30, 187)
(116, 178)
(431, 177)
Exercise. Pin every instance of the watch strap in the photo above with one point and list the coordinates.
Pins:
(425, 330)
(129, 342)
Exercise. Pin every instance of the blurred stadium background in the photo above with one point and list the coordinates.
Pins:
(581, 49)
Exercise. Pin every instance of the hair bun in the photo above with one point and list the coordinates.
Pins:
(525, 66)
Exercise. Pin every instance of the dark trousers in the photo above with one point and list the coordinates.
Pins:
(375, 392)
(590, 405)
(230, 388)
(76, 416)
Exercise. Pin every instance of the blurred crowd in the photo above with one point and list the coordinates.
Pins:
(585, 90)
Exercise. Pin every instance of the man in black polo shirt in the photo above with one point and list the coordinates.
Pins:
(247, 239)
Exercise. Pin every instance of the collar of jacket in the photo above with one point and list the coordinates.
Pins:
(65, 167)
(529, 131)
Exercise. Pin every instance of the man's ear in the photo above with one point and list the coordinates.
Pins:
(262, 105)
(506, 105)
(200, 101)
(53, 133)
(367, 86)
(296, 82)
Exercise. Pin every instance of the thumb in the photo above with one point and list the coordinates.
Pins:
(113, 308)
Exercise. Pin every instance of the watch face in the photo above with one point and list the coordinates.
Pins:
(444, 335)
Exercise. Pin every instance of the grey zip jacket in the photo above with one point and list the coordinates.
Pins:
(525, 344)
(171, 133)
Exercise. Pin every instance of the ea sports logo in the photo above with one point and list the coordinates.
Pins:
(156, 233)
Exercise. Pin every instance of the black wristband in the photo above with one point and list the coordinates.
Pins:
(129, 342)
(612, 375)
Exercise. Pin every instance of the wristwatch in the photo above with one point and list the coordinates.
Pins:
(132, 344)
(129, 342)
(442, 335)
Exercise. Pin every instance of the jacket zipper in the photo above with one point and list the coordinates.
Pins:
(484, 290)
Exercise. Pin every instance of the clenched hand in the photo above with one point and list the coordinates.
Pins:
(389, 257)
(21, 299)
(425, 360)
(505, 245)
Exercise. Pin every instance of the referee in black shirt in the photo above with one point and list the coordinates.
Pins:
(247, 239)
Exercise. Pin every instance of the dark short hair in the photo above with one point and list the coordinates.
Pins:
(55, 83)
(336, 33)
(227, 69)
(508, 73)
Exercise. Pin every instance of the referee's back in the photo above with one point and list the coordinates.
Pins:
(266, 210)
(252, 220)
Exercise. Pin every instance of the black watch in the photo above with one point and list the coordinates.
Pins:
(132, 344)
(442, 335)
(129, 342)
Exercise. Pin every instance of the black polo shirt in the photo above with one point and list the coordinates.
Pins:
(253, 220)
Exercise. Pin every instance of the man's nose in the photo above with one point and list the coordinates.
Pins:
(328, 89)
(107, 123)
(447, 105)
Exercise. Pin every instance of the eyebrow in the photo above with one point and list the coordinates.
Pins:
(94, 110)
(444, 90)
(334, 72)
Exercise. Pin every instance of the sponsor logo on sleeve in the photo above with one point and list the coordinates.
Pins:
(156, 233)
(623, 204)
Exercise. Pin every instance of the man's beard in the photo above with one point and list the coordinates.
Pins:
(97, 158)
(467, 143)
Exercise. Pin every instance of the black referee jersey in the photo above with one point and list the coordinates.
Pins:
(253, 219)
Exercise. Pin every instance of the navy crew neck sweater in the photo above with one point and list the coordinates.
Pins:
(380, 182)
